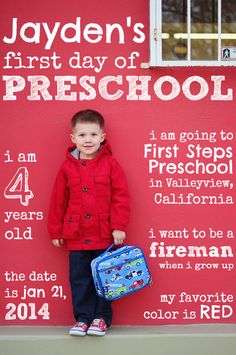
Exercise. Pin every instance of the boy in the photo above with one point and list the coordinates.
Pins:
(89, 210)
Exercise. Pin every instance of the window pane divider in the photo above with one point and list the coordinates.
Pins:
(219, 30)
(189, 30)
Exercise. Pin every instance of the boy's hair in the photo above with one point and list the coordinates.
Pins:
(88, 116)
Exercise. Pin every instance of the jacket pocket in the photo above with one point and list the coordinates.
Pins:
(74, 184)
(104, 224)
(102, 183)
(102, 179)
(75, 180)
(71, 226)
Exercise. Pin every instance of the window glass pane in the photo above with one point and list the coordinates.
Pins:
(204, 28)
(228, 25)
(174, 29)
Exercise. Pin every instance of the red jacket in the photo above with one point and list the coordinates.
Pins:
(89, 199)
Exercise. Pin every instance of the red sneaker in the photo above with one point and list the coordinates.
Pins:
(79, 329)
(97, 327)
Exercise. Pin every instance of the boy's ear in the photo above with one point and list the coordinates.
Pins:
(103, 136)
(72, 138)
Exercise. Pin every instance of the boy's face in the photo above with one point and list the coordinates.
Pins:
(87, 137)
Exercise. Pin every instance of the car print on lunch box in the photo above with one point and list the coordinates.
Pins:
(133, 273)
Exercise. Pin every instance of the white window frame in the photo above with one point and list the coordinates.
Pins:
(156, 40)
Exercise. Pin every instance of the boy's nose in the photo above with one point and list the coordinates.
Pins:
(88, 139)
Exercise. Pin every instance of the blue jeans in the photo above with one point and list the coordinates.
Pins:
(87, 305)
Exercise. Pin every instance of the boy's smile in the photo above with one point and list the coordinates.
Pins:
(87, 137)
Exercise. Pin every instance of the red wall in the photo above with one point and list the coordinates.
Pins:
(187, 287)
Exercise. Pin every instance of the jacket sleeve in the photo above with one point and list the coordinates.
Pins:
(58, 206)
(120, 200)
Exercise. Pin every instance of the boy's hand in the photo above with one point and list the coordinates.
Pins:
(118, 236)
(57, 242)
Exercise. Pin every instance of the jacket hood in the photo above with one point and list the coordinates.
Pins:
(72, 153)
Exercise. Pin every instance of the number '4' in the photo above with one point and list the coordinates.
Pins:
(18, 187)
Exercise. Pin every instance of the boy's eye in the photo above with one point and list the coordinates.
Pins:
(94, 134)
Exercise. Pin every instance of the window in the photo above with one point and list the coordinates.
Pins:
(192, 32)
